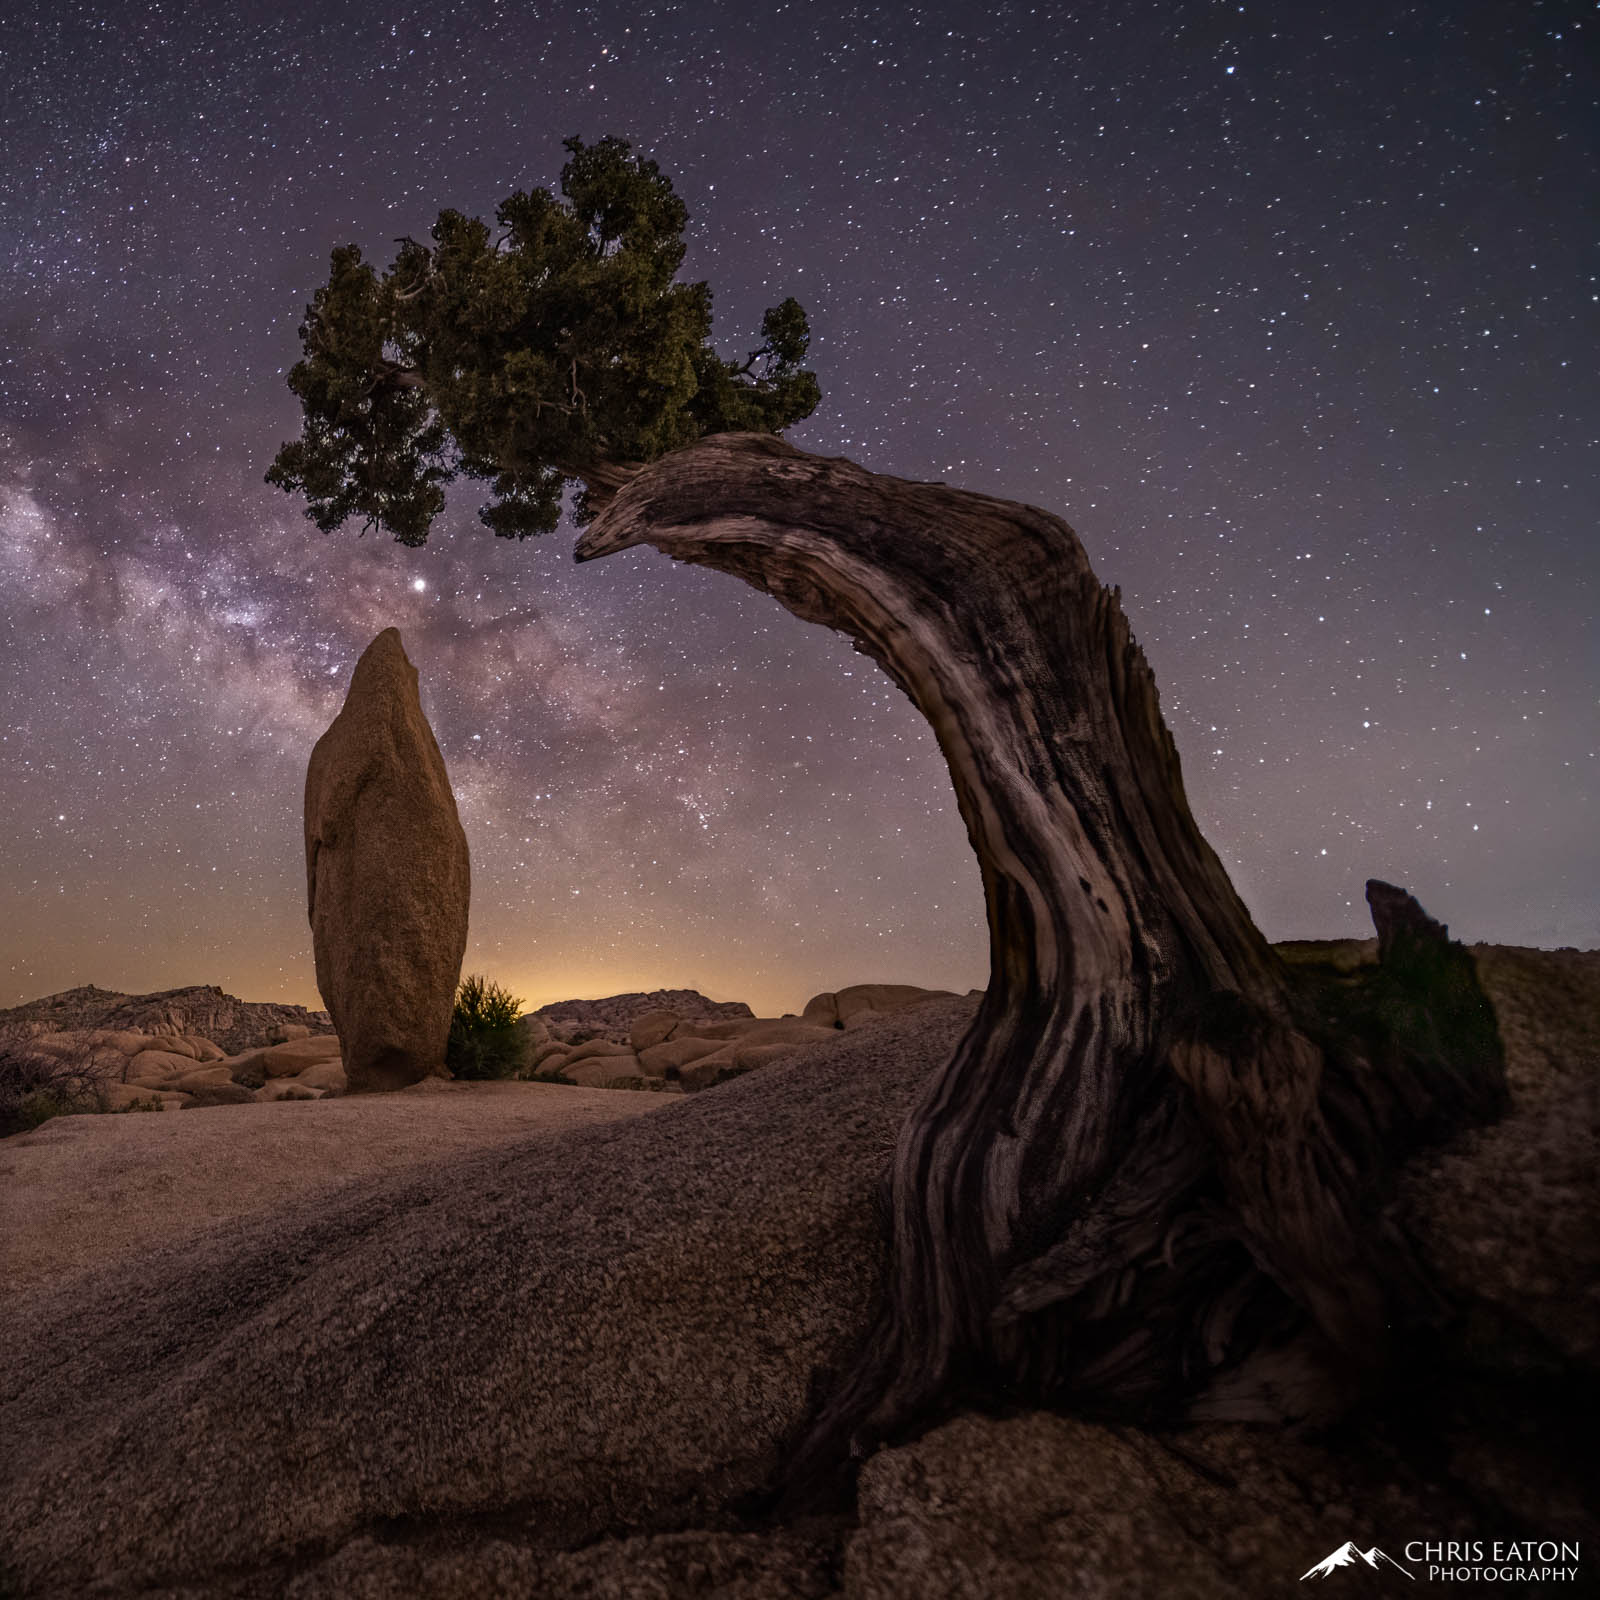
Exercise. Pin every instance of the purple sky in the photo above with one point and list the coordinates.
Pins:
(1289, 311)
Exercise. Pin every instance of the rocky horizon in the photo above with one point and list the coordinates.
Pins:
(205, 1009)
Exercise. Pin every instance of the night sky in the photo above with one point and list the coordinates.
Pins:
(1289, 311)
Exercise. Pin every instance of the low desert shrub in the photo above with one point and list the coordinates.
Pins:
(151, 1102)
(37, 1084)
(485, 1041)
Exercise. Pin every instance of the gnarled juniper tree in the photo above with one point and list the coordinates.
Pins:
(557, 346)
(1153, 1179)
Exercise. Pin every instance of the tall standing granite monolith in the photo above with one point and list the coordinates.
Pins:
(387, 876)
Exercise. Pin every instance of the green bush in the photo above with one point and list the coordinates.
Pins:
(36, 1084)
(485, 1041)
(152, 1102)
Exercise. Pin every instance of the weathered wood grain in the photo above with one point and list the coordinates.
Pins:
(1122, 1190)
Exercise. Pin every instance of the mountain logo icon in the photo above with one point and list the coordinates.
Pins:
(1347, 1555)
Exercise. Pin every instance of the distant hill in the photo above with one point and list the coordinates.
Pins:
(211, 1013)
(203, 1010)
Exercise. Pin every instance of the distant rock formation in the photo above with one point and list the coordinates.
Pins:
(387, 876)
(200, 1010)
(577, 1021)
(677, 1042)
(836, 1009)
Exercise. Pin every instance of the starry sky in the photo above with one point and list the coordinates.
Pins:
(1288, 309)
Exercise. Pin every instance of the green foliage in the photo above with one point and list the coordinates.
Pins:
(1428, 998)
(1422, 1018)
(485, 1041)
(37, 1084)
(37, 1108)
(556, 350)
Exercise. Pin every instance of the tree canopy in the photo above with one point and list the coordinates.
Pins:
(559, 348)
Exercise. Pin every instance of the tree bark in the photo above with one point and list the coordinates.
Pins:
(602, 479)
(1140, 1186)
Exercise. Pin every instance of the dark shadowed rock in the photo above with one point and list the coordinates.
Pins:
(387, 876)
(1397, 916)
(1040, 1507)
(1512, 1209)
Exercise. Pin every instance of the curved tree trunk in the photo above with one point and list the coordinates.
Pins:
(1138, 1186)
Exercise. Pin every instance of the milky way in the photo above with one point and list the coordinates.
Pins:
(1290, 312)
